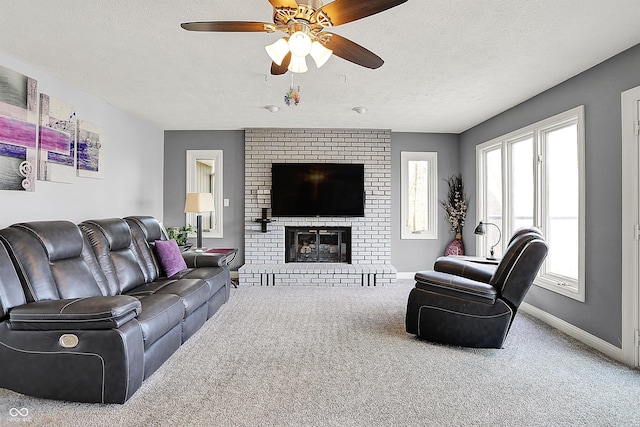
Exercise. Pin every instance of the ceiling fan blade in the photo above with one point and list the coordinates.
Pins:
(228, 26)
(277, 70)
(343, 11)
(284, 3)
(353, 52)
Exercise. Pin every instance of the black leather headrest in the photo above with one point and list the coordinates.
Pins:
(115, 230)
(60, 239)
(149, 226)
(525, 230)
(511, 254)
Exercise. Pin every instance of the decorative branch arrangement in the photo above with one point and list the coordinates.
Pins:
(456, 204)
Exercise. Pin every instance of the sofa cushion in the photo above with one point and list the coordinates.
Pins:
(170, 257)
(145, 230)
(160, 314)
(60, 239)
(216, 277)
(192, 292)
(111, 242)
(48, 258)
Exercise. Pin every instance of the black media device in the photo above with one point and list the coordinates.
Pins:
(317, 189)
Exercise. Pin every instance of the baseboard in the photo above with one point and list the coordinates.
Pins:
(405, 275)
(575, 332)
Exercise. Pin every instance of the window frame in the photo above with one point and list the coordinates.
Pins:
(432, 194)
(569, 287)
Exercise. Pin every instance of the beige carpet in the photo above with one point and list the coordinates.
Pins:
(335, 356)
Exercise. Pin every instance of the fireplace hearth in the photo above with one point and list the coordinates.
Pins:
(318, 244)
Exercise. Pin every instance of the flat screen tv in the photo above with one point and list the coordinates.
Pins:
(317, 189)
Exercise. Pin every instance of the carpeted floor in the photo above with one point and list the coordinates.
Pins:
(336, 356)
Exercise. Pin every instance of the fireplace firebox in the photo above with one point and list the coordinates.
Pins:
(318, 244)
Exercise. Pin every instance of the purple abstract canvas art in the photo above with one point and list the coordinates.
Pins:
(18, 136)
(57, 140)
(90, 149)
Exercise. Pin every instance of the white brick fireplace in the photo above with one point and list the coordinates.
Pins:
(370, 235)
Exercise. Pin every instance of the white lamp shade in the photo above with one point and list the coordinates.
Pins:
(278, 50)
(298, 64)
(199, 202)
(319, 53)
(299, 44)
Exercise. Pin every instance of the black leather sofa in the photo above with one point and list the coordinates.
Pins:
(85, 312)
(473, 304)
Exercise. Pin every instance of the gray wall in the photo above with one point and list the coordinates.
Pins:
(598, 89)
(407, 255)
(415, 255)
(176, 144)
(132, 183)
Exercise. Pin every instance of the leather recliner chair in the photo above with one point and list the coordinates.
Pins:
(456, 310)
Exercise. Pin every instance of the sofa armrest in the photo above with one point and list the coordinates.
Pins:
(455, 286)
(102, 312)
(102, 366)
(480, 272)
(203, 259)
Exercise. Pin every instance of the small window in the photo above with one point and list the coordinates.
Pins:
(419, 194)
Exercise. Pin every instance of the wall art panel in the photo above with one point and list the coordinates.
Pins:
(90, 150)
(18, 130)
(57, 140)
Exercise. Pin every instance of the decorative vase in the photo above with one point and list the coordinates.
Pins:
(455, 247)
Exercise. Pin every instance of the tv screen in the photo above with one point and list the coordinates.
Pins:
(317, 189)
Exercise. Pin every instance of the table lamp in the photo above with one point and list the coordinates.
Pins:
(481, 230)
(198, 203)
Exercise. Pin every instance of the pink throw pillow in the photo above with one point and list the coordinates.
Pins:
(170, 257)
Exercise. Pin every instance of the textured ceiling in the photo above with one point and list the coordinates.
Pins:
(449, 64)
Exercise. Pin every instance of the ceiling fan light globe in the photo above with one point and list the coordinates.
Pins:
(319, 53)
(298, 64)
(278, 50)
(299, 44)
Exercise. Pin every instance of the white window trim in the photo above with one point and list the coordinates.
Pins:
(561, 285)
(216, 156)
(432, 228)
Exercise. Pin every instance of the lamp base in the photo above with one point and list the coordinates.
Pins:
(200, 250)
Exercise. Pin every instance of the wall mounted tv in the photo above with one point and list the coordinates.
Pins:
(317, 189)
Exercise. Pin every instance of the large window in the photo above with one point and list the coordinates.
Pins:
(535, 176)
(419, 195)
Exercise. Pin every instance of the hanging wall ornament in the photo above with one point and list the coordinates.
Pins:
(292, 97)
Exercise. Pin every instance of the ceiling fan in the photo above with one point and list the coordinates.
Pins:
(303, 22)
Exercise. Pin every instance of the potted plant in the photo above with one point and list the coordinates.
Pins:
(180, 235)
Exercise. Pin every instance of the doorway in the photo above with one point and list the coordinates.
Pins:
(631, 226)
